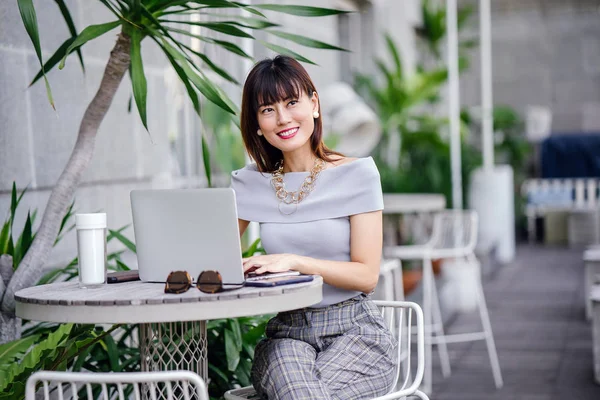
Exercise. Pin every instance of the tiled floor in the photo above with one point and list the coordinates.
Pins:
(543, 340)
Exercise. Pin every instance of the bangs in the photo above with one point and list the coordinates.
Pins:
(277, 85)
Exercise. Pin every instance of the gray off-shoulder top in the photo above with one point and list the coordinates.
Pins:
(320, 225)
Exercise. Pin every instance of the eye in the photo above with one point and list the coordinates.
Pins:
(293, 103)
(266, 110)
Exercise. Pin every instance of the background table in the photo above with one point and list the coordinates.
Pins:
(395, 205)
(167, 322)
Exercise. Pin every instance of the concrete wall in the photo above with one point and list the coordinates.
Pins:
(35, 141)
(545, 52)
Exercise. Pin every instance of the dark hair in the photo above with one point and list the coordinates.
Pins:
(271, 81)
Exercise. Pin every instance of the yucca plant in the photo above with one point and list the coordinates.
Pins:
(12, 249)
(155, 20)
(433, 29)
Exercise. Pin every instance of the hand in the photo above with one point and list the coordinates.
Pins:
(270, 263)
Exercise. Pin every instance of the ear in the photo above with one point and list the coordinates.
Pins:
(314, 99)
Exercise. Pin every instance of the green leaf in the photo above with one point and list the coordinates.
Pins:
(162, 4)
(29, 18)
(138, 79)
(206, 161)
(14, 202)
(305, 41)
(113, 353)
(71, 25)
(243, 372)
(203, 84)
(248, 22)
(219, 373)
(89, 33)
(220, 71)
(252, 249)
(251, 23)
(287, 52)
(23, 242)
(64, 221)
(222, 27)
(33, 359)
(4, 238)
(183, 77)
(395, 55)
(111, 236)
(236, 329)
(11, 351)
(128, 243)
(52, 61)
(231, 350)
(301, 11)
(231, 47)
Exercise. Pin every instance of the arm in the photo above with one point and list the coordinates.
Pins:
(361, 273)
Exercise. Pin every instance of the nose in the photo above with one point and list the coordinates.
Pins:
(283, 116)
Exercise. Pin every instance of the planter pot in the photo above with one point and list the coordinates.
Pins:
(436, 266)
(410, 280)
(461, 278)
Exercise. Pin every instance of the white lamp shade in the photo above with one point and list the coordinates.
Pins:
(346, 115)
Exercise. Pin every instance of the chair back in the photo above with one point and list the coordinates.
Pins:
(400, 317)
(389, 287)
(454, 230)
(170, 385)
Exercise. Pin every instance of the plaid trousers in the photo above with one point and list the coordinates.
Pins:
(343, 351)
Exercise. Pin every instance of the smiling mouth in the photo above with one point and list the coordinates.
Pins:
(288, 133)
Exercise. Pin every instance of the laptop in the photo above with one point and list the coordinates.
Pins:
(188, 229)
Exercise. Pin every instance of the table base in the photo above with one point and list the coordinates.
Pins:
(168, 346)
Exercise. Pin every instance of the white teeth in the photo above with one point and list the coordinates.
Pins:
(288, 133)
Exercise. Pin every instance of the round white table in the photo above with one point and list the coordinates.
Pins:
(165, 320)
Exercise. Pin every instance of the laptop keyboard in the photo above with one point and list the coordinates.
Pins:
(254, 277)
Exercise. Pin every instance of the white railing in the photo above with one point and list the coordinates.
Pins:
(543, 195)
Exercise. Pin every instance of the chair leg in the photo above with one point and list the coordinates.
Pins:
(427, 317)
(438, 324)
(421, 395)
(489, 336)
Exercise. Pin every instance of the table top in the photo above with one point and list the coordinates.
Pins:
(142, 302)
(397, 203)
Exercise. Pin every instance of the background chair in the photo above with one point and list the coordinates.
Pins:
(171, 385)
(454, 236)
(399, 316)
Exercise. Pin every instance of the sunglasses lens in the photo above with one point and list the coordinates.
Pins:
(178, 282)
(210, 282)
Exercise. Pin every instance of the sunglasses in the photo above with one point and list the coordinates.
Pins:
(208, 282)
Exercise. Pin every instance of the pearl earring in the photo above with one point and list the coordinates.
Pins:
(259, 132)
(316, 114)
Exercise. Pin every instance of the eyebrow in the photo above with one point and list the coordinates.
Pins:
(286, 99)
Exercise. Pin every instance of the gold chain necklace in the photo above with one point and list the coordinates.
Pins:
(296, 197)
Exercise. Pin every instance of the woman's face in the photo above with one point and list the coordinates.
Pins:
(289, 124)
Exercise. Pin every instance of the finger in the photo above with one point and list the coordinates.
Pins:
(262, 270)
(250, 267)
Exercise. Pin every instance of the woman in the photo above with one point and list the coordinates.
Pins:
(319, 214)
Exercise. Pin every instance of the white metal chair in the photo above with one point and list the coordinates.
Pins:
(389, 286)
(454, 236)
(591, 261)
(399, 317)
(169, 385)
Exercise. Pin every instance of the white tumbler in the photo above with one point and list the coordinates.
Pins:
(91, 249)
